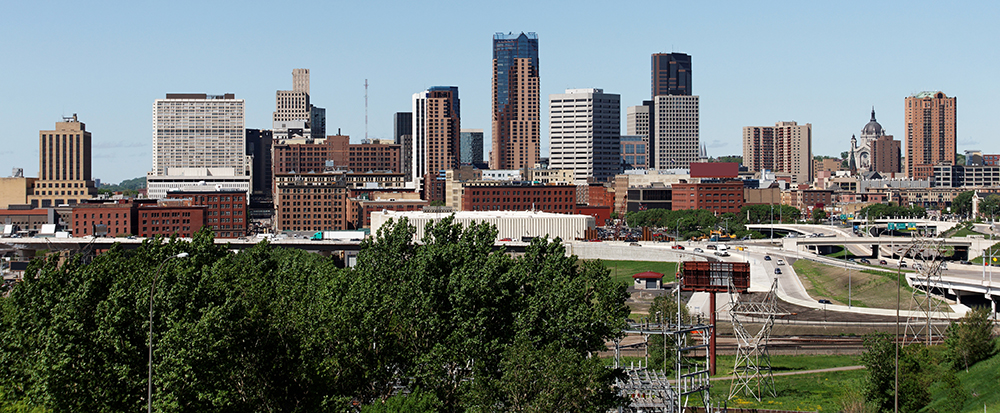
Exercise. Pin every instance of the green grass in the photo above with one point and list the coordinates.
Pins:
(814, 392)
(964, 232)
(622, 271)
(982, 386)
(868, 288)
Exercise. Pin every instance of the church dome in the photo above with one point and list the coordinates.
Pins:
(873, 128)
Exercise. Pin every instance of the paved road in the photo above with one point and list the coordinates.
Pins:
(794, 373)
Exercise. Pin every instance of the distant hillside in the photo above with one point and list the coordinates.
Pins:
(133, 184)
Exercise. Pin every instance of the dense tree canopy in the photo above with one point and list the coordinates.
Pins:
(970, 339)
(269, 329)
(878, 211)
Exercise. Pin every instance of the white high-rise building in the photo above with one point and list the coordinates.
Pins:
(584, 128)
(637, 121)
(199, 131)
(676, 141)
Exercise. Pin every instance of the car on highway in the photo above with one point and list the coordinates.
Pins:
(722, 253)
(781, 262)
(902, 265)
(677, 247)
(699, 250)
(882, 262)
(710, 246)
(777, 270)
(865, 261)
(505, 240)
(767, 258)
(825, 302)
(635, 244)
(965, 262)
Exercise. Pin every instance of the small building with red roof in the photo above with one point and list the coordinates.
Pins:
(648, 280)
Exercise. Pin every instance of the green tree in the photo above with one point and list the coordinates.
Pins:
(970, 339)
(880, 374)
(818, 215)
(284, 330)
(962, 204)
(879, 382)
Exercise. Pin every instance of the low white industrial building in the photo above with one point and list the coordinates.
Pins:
(510, 225)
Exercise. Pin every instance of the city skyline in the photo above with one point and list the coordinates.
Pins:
(836, 68)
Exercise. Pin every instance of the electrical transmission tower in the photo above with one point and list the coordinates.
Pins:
(927, 254)
(752, 369)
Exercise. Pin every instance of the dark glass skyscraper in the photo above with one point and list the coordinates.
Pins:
(671, 74)
(516, 125)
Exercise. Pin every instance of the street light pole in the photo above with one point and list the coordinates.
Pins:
(152, 288)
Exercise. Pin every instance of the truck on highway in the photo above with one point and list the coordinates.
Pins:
(345, 236)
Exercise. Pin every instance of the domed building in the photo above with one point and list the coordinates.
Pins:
(861, 147)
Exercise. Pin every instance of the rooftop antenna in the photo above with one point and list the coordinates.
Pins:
(366, 108)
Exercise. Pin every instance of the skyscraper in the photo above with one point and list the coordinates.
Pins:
(671, 74)
(674, 120)
(516, 124)
(472, 146)
(294, 105)
(403, 135)
(675, 143)
(64, 165)
(192, 130)
(436, 138)
(584, 127)
(930, 132)
(785, 148)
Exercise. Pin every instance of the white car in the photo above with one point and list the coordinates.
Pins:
(781, 262)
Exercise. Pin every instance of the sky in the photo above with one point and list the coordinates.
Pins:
(754, 63)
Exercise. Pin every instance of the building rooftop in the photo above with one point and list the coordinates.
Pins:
(482, 214)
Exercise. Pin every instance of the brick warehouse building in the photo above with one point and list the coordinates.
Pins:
(226, 210)
(311, 202)
(518, 196)
(719, 197)
(171, 217)
(144, 218)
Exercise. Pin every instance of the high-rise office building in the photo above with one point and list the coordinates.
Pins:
(930, 132)
(673, 113)
(403, 135)
(402, 124)
(677, 129)
(516, 122)
(584, 128)
(671, 74)
(637, 121)
(199, 131)
(294, 105)
(436, 138)
(637, 124)
(64, 166)
(785, 148)
(472, 146)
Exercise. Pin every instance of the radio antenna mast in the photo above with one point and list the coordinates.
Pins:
(366, 109)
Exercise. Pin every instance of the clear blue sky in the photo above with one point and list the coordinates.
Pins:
(754, 63)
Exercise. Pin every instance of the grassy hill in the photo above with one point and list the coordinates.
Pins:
(981, 385)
